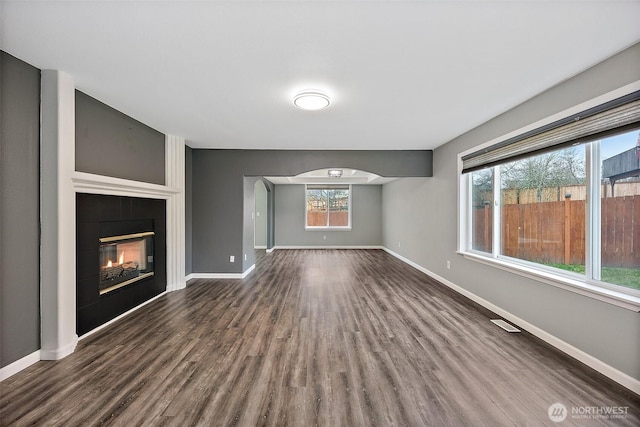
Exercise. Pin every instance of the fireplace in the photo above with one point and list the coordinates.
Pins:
(120, 256)
(125, 259)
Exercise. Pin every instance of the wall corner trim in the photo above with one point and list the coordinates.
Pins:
(609, 371)
(61, 352)
(176, 213)
(57, 216)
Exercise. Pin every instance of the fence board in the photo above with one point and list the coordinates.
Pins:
(634, 224)
(627, 232)
(536, 231)
(482, 228)
(577, 234)
(607, 219)
(620, 231)
(611, 231)
(319, 218)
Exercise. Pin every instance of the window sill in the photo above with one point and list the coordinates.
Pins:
(581, 287)
(327, 228)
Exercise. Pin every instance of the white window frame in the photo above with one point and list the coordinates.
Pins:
(308, 227)
(617, 295)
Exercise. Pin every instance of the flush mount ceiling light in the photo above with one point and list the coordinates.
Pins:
(334, 173)
(311, 100)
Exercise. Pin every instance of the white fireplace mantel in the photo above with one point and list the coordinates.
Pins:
(99, 184)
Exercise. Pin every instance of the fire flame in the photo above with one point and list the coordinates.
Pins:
(120, 260)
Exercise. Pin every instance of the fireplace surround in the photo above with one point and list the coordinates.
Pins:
(120, 256)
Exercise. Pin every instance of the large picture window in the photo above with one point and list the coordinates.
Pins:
(527, 200)
(328, 206)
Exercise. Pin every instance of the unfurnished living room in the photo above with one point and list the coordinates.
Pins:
(337, 213)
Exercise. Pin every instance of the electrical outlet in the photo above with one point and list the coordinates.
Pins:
(398, 244)
(245, 257)
(324, 236)
(232, 259)
(448, 264)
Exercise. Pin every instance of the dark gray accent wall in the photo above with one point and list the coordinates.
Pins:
(111, 143)
(218, 188)
(19, 209)
(188, 210)
(387, 163)
(366, 219)
(217, 214)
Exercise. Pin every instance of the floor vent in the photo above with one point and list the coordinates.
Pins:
(504, 325)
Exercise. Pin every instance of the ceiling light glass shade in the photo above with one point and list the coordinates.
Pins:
(311, 100)
(335, 173)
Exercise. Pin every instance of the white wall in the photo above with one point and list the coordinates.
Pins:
(421, 214)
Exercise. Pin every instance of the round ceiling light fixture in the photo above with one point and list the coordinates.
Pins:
(311, 100)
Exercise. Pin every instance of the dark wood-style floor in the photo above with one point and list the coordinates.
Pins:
(313, 337)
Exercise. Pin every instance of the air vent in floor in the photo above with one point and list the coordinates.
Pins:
(504, 325)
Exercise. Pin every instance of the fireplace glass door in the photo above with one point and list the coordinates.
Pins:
(125, 259)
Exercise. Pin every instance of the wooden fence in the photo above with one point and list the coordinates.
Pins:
(554, 232)
(319, 218)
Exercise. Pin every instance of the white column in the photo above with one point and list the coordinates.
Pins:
(174, 172)
(57, 212)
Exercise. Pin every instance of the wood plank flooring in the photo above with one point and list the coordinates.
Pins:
(312, 337)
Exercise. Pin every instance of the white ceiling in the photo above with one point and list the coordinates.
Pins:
(401, 75)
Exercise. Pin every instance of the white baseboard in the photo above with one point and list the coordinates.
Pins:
(126, 313)
(248, 271)
(329, 247)
(260, 247)
(214, 276)
(221, 275)
(605, 369)
(60, 353)
(20, 364)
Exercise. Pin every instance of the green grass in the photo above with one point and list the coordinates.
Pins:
(628, 277)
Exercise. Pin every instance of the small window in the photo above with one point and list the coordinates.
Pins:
(328, 206)
(482, 210)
